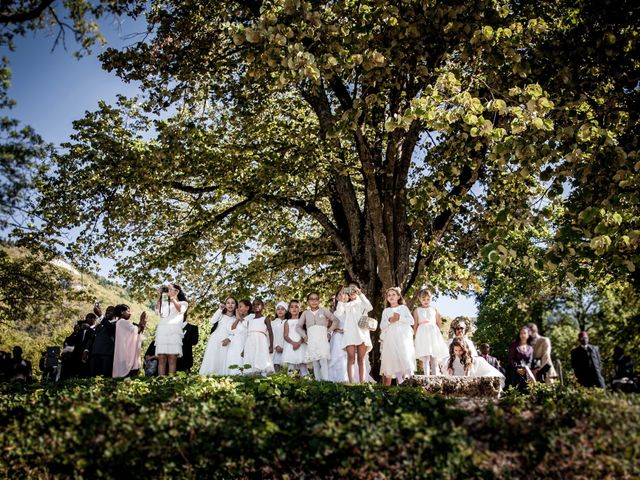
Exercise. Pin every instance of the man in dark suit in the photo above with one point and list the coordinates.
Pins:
(102, 345)
(485, 350)
(586, 363)
(85, 338)
(185, 362)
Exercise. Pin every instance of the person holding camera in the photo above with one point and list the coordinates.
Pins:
(355, 340)
(169, 333)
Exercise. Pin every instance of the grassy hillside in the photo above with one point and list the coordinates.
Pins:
(50, 328)
(277, 427)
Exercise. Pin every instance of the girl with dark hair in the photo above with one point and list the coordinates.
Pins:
(259, 344)
(236, 338)
(294, 348)
(338, 361)
(315, 326)
(173, 317)
(520, 360)
(356, 340)
(215, 356)
(460, 359)
(461, 362)
(398, 357)
(126, 353)
(277, 326)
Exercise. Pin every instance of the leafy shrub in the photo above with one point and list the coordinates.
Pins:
(245, 427)
(228, 428)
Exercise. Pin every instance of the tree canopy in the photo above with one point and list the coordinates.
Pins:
(290, 144)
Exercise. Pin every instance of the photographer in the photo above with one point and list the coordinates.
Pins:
(169, 334)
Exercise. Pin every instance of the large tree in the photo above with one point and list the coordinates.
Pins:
(287, 142)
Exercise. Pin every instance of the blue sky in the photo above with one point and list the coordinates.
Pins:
(53, 88)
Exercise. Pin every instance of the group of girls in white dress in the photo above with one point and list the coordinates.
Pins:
(243, 340)
(407, 337)
(336, 341)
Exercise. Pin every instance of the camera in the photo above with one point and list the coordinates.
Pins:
(348, 290)
(165, 289)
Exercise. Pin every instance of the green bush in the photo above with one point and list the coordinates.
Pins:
(276, 427)
(221, 428)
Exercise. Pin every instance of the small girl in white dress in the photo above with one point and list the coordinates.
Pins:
(338, 360)
(315, 327)
(429, 342)
(294, 350)
(259, 344)
(215, 356)
(277, 326)
(236, 339)
(398, 357)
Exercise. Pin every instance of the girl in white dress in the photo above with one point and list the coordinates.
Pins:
(259, 344)
(398, 358)
(461, 362)
(215, 356)
(355, 340)
(338, 361)
(315, 327)
(429, 342)
(237, 338)
(169, 333)
(294, 347)
(277, 326)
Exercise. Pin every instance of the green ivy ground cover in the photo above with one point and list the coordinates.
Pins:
(199, 427)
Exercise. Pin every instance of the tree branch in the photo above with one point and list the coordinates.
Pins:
(324, 221)
(191, 189)
(20, 17)
(468, 177)
(339, 88)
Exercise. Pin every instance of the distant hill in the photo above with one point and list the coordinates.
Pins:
(35, 334)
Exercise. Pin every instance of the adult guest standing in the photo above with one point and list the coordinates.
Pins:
(169, 333)
(356, 340)
(543, 367)
(521, 359)
(189, 340)
(458, 330)
(101, 348)
(586, 363)
(126, 354)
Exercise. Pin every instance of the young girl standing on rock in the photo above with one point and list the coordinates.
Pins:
(398, 355)
(429, 342)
